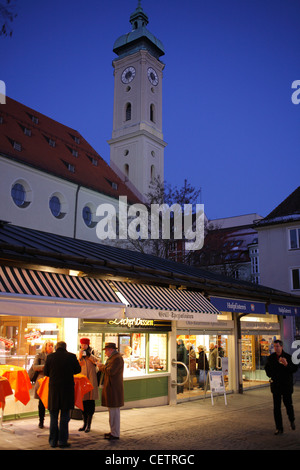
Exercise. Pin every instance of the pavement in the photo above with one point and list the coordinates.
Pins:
(245, 423)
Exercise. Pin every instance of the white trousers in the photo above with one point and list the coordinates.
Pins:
(114, 421)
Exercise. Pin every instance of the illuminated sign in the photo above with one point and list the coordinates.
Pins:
(131, 322)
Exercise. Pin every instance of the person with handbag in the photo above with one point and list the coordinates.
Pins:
(203, 367)
(38, 369)
(88, 364)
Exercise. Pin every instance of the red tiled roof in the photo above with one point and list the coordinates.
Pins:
(36, 151)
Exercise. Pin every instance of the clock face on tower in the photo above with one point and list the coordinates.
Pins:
(152, 75)
(128, 75)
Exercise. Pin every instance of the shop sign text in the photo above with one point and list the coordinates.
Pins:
(131, 322)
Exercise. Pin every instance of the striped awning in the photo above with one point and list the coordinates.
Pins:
(154, 302)
(41, 293)
(29, 292)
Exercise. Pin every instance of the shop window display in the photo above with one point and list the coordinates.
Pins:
(255, 350)
(21, 339)
(143, 353)
(157, 352)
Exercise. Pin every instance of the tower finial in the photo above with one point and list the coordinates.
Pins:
(139, 18)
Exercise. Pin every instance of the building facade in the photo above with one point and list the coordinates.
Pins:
(279, 254)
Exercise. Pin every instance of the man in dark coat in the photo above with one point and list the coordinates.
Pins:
(60, 367)
(113, 388)
(280, 369)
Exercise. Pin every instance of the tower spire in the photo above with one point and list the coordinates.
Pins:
(138, 19)
(139, 37)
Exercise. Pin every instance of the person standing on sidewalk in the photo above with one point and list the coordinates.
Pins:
(88, 366)
(280, 369)
(38, 366)
(60, 367)
(113, 388)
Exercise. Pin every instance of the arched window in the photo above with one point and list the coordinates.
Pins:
(126, 170)
(152, 112)
(152, 172)
(128, 112)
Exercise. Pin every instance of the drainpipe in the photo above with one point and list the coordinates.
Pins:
(76, 206)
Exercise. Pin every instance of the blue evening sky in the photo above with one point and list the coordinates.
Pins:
(228, 117)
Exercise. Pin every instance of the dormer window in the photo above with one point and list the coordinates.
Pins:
(70, 167)
(52, 142)
(76, 139)
(73, 151)
(93, 160)
(35, 119)
(27, 131)
(17, 146)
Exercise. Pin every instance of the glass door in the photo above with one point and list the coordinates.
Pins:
(199, 353)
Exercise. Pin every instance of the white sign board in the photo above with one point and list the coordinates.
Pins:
(217, 385)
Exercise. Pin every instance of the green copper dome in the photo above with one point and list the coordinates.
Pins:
(139, 38)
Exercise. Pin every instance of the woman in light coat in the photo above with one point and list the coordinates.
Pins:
(88, 368)
(38, 366)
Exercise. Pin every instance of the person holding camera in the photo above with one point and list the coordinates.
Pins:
(280, 369)
(88, 364)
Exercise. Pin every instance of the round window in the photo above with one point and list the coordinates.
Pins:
(18, 194)
(87, 216)
(55, 206)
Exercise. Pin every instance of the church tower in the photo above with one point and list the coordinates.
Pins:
(137, 145)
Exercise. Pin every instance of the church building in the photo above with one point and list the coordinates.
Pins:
(48, 168)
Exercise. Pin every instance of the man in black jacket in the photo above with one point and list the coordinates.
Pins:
(60, 367)
(280, 369)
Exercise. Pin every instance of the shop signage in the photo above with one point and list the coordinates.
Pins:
(239, 306)
(250, 325)
(156, 314)
(287, 310)
(131, 322)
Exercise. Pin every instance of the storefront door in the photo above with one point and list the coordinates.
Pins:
(200, 352)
